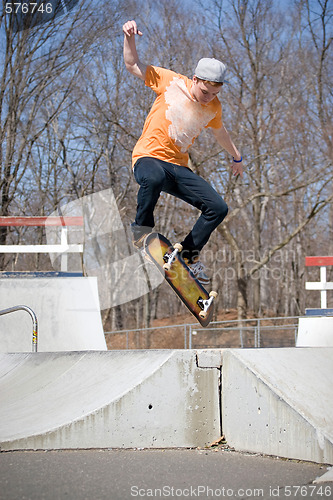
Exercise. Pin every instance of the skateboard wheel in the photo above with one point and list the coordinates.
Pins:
(178, 246)
(203, 314)
(213, 294)
(166, 266)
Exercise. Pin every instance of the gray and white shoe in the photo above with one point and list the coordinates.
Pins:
(198, 270)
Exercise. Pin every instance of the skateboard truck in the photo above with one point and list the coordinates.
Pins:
(170, 257)
(205, 304)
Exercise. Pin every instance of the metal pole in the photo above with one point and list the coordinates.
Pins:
(34, 322)
(259, 333)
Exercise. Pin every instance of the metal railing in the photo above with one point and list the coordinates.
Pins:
(34, 322)
(250, 335)
(255, 332)
(128, 333)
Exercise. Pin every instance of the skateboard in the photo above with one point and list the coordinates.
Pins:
(167, 259)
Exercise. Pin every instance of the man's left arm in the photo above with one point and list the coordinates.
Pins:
(223, 138)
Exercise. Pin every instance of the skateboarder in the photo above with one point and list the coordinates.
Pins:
(182, 109)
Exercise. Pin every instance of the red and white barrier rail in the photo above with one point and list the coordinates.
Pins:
(64, 248)
(323, 285)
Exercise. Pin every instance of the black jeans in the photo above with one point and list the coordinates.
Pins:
(155, 176)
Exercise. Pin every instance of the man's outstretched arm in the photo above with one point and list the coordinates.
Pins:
(131, 58)
(223, 138)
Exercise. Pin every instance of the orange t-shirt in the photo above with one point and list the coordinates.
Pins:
(175, 118)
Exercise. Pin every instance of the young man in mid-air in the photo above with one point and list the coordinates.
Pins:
(182, 109)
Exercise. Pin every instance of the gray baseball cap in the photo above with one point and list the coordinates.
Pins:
(211, 69)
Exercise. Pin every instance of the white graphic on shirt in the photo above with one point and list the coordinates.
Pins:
(188, 118)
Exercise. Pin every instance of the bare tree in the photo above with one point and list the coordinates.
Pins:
(284, 188)
(70, 115)
(40, 69)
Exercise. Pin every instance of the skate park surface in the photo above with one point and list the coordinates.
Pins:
(127, 417)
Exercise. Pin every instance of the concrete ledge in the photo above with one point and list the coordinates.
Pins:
(67, 310)
(315, 331)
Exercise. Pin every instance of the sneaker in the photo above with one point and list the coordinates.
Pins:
(139, 234)
(138, 242)
(198, 270)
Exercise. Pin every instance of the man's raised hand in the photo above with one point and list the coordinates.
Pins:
(130, 28)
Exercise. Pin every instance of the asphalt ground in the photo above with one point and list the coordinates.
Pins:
(172, 473)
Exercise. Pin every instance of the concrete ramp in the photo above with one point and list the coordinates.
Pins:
(119, 399)
(273, 401)
(279, 402)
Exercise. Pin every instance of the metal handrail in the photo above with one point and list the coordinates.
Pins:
(34, 322)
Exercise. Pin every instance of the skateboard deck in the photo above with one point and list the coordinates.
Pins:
(168, 261)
